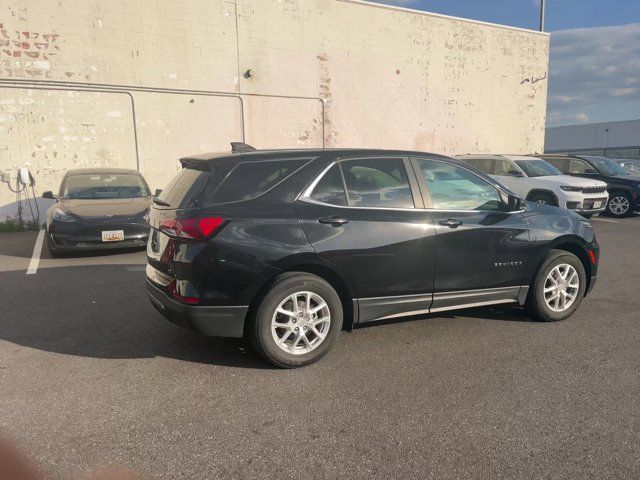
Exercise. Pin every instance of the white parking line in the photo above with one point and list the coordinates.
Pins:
(35, 257)
(604, 220)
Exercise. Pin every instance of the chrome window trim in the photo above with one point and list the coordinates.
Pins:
(305, 196)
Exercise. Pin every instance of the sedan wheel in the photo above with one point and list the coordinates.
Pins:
(619, 205)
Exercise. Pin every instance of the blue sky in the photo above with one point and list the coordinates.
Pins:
(594, 69)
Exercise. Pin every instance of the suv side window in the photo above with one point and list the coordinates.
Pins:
(330, 188)
(456, 188)
(559, 163)
(503, 168)
(483, 164)
(250, 179)
(377, 182)
(578, 166)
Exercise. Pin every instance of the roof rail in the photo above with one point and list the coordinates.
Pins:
(241, 147)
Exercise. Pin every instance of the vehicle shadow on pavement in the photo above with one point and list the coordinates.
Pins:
(102, 311)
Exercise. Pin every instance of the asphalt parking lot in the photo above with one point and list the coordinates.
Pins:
(91, 375)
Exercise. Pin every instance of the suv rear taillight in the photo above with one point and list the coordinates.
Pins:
(192, 228)
(173, 291)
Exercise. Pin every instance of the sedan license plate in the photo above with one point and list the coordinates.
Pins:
(113, 236)
(597, 204)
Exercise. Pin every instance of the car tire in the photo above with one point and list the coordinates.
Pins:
(274, 333)
(549, 293)
(619, 204)
(542, 198)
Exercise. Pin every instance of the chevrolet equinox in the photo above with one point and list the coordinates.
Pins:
(289, 247)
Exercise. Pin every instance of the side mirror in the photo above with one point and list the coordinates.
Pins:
(158, 192)
(514, 203)
(515, 173)
(49, 194)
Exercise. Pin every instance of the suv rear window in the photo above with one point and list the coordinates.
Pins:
(184, 188)
(251, 179)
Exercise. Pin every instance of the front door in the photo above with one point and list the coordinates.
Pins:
(365, 217)
(482, 250)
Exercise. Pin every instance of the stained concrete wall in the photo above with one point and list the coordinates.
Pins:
(324, 73)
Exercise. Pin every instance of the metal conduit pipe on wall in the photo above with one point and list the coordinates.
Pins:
(105, 87)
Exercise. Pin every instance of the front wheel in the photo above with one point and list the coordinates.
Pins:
(558, 288)
(619, 204)
(542, 198)
(298, 320)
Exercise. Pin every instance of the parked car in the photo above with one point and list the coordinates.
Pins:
(538, 181)
(289, 247)
(98, 208)
(631, 164)
(623, 186)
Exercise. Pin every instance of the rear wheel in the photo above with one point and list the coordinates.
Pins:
(542, 198)
(558, 288)
(619, 204)
(298, 321)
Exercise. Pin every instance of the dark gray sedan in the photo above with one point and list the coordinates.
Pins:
(98, 208)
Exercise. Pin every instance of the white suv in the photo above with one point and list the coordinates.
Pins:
(538, 181)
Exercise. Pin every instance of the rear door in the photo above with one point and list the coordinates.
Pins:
(365, 217)
(482, 250)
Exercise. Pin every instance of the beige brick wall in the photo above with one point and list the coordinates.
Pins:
(387, 77)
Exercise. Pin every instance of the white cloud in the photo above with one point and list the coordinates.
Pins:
(594, 73)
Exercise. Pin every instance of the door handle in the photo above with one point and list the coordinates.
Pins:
(451, 223)
(333, 220)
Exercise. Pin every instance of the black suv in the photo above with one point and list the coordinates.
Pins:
(623, 186)
(289, 247)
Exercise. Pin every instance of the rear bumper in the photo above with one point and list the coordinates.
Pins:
(223, 321)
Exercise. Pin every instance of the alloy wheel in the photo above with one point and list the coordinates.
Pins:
(619, 205)
(300, 323)
(561, 287)
(542, 201)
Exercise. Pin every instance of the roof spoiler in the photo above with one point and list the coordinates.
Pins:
(195, 164)
(237, 147)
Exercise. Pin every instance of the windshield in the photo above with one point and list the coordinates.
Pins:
(537, 168)
(606, 166)
(104, 185)
(631, 165)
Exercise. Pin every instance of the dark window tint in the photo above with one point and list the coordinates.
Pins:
(503, 168)
(483, 164)
(456, 188)
(560, 163)
(183, 189)
(579, 166)
(251, 179)
(377, 182)
(330, 188)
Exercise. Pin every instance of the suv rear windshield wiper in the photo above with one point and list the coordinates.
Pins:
(161, 202)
